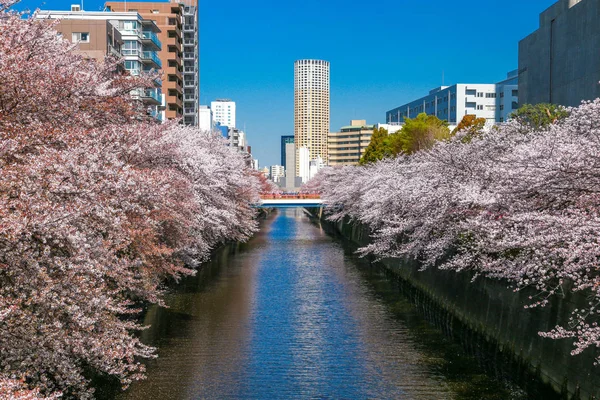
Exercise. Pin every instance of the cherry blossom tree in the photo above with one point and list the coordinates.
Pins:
(99, 208)
(514, 203)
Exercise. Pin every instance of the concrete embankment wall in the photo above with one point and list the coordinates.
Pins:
(493, 317)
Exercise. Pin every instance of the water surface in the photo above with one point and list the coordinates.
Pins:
(293, 314)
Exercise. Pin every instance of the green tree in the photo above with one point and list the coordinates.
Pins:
(539, 116)
(419, 133)
(378, 147)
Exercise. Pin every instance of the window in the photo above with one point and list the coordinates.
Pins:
(82, 37)
(130, 26)
(479, 106)
(515, 93)
(490, 95)
(501, 94)
(479, 94)
(133, 67)
(131, 48)
(501, 107)
(155, 11)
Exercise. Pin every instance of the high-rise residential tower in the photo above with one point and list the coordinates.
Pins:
(311, 108)
(178, 23)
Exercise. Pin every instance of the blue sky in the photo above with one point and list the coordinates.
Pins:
(383, 53)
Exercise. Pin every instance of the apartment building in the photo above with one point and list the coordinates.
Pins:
(347, 146)
(171, 19)
(124, 34)
(494, 102)
(284, 141)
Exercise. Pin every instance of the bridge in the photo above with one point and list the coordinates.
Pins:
(289, 201)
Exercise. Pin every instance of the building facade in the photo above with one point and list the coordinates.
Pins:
(494, 102)
(205, 119)
(560, 62)
(277, 173)
(347, 146)
(285, 140)
(191, 63)
(311, 108)
(170, 19)
(224, 112)
(124, 35)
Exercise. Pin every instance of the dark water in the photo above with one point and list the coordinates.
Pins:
(293, 314)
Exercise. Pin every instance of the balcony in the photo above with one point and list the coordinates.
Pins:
(174, 71)
(150, 57)
(189, 56)
(189, 69)
(151, 96)
(189, 97)
(189, 42)
(154, 113)
(188, 111)
(150, 38)
(189, 28)
(189, 84)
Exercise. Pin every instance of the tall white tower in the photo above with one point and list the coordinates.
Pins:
(311, 108)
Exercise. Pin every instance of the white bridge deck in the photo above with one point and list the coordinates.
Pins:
(289, 203)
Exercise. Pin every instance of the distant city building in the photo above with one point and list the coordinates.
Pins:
(560, 62)
(347, 146)
(237, 139)
(265, 172)
(121, 34)
(304, 163)
(177, 20)
(285, 140)
(315, 166)
(224, 112)
(277, 172)
(255, 164)
(492, 101)
(291, 181)
(205, 122)
(311, 109)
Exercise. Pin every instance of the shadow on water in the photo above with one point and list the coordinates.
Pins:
(475, 367)
(294, 313)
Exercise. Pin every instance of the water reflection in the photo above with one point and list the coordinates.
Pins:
(291, 315)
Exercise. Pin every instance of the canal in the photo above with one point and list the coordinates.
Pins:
(294, 314)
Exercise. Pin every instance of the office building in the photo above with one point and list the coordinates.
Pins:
(277, 173)
(492, 101)
(285, 140)
(559, 63)
(224, 112)
(311, 108)
(124, 35)
(205, 119)
(174, 21)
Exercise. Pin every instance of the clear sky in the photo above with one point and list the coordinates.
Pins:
(383, 53)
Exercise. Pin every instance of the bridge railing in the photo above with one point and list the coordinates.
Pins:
(311, 196)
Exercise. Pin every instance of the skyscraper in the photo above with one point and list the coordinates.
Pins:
(311, 108)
